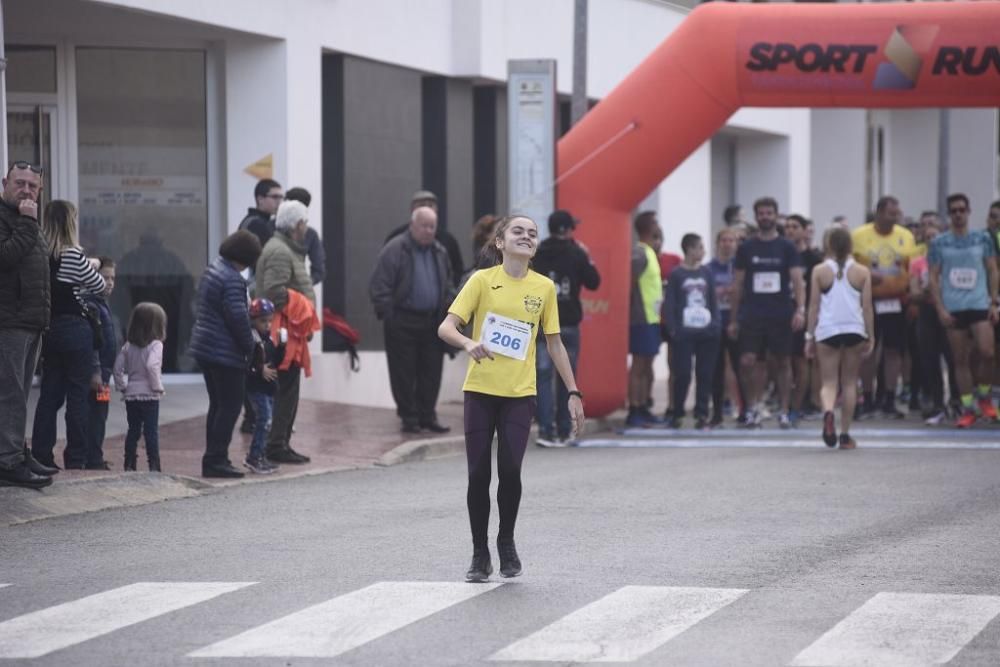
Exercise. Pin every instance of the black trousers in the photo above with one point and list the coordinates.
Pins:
(226, 386)
(286, 407)
(727, 346)
(933, 344)
(415, 355)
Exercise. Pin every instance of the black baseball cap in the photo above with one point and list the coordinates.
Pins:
(561, 220)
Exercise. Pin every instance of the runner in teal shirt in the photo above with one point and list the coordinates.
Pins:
(963, 277)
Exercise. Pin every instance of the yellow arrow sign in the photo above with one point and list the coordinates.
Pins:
(262, 168)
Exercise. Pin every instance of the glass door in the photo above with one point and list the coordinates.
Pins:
(29, 138)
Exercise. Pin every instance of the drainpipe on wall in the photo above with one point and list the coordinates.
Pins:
(3, 91)
(578, 105)
(944, 162)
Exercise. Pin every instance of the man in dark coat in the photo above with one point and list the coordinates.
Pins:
(25, 299)
(410, 289)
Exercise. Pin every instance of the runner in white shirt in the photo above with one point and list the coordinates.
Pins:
(840, 331)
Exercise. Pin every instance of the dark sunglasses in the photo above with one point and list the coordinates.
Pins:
(21, 164)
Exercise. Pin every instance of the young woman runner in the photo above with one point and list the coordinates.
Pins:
(508, 303)
(840, 331)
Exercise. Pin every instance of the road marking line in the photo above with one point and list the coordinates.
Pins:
(4, 585)
(929, 433)
(53, 628)
(333, 627)
(802, 443)
(622, 626)
(902, 629)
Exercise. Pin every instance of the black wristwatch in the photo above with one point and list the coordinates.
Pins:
(576, 393)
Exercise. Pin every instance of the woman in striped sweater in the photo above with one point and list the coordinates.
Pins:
(68, 360)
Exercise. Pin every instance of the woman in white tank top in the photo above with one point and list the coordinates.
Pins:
(840, 331)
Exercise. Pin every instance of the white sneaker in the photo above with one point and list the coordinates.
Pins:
(936, 419)
(547, 441)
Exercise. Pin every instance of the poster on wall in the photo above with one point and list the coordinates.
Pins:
(531, 113)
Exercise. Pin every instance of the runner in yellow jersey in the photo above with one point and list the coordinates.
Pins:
(885, 247)
(508, 304)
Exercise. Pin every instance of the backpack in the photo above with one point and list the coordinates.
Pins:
(340, 336)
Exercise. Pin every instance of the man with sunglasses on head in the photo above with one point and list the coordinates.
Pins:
(963, 279)
(24, 315)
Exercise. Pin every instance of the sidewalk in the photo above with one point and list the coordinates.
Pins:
(333, 435)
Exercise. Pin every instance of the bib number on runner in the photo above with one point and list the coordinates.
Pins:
(767, 282)
(886, 306)
(963, 278)
(697, 317)
(506, 336)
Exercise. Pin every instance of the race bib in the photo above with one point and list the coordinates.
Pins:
(766, 282)
(886, 306)
(963, 278)
(506, 336)
(697, 317)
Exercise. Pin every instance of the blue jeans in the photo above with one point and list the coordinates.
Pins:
(263, 407)
(67, 365)
(554, 419)
(143, 420)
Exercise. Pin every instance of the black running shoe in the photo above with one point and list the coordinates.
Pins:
(480, 569)
(510, 564)
(829, 430)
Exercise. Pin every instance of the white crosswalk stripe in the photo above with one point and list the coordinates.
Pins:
(54, 628)
(4, 585)
(333, 627)
(622, 626)
(902, 629)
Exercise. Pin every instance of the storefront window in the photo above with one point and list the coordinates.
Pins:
(31, 69)
(143, 186)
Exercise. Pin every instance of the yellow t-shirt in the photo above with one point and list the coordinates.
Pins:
(889, 254)
(531, 300)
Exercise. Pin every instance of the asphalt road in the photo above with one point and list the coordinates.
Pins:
(662, 556)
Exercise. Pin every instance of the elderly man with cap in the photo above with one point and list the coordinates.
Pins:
(429, 199)
(281, 270)
(567, 262)
(411, 289)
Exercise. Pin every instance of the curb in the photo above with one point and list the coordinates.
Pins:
(435, 448)
(92, 495)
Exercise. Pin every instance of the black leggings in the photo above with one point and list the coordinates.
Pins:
(510, 419)
(729, 347)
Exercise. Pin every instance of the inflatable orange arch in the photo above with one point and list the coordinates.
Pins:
(725, 56)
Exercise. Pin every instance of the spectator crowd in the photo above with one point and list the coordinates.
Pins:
(922, 303)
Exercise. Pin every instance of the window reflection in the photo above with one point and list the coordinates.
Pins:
(143, 184)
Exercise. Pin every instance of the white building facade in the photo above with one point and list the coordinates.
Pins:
(157, 117)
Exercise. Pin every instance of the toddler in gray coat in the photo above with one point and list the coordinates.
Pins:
(138, 375)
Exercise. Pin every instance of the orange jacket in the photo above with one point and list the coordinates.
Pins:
(299, 318)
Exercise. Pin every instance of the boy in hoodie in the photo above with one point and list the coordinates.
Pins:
(691, 315)
(100, 395)
(567, 263)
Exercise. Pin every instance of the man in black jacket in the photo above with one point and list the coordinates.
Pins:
(566, 261)
(260, 219)
(24, 314)
(411, 288)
